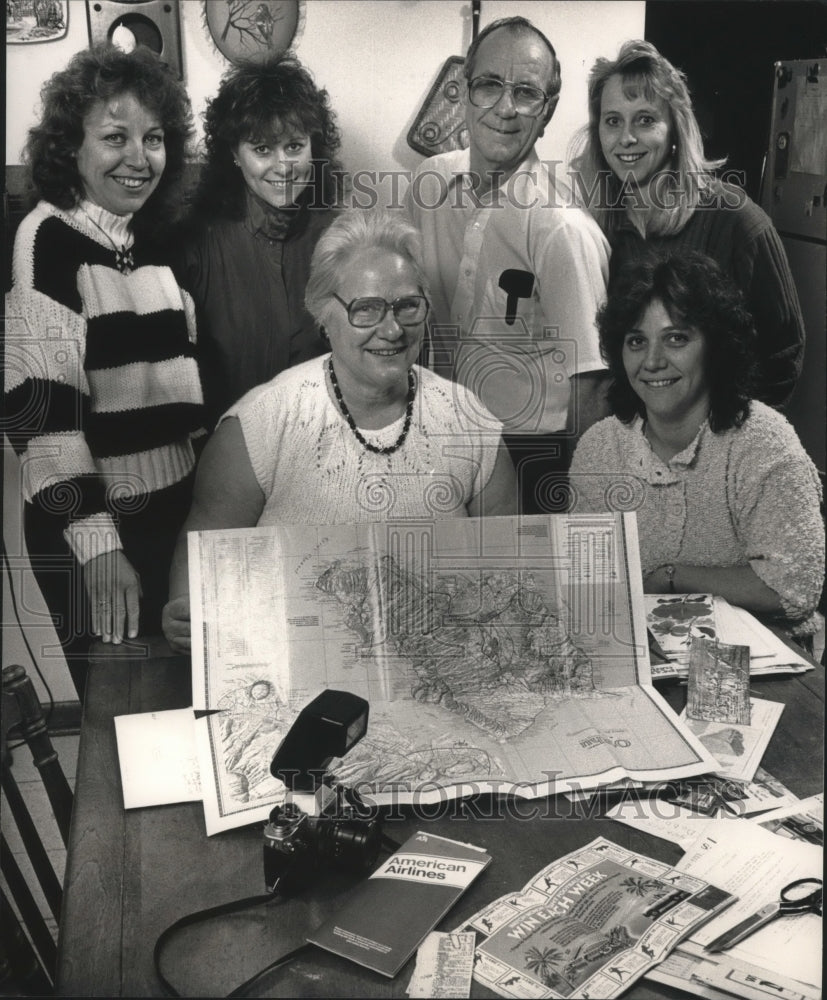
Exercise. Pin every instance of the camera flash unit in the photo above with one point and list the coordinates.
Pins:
(326, 728)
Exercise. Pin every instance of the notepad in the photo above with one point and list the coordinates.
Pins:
(158, 758)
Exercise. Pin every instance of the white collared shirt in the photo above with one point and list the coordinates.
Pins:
(516, 351)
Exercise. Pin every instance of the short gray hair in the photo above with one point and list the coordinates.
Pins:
(353, 230)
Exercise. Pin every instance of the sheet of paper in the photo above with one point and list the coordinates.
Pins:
(768, 654)
(444, 965)
(497, 654)
(755, 865)
(718, 682)
(741, 628)
(739, 749)
(158, 758)
(803, 820)
(662, 819)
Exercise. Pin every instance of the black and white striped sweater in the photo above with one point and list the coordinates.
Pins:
(103, 393)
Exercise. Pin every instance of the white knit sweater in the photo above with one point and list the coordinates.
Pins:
(313, 470)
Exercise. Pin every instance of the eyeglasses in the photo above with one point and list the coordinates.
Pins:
(486, 91)
(408, 310)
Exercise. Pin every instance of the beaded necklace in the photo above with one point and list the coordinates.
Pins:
(337, 392)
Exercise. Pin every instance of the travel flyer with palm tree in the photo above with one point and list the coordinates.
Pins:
(589, 924)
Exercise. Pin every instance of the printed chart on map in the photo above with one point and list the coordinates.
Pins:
(499, 654)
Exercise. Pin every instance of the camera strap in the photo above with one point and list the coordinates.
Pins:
(388, 844)
(200, 915)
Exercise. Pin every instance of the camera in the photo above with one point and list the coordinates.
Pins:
(321, 823)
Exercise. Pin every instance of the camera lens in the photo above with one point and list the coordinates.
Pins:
(350, 843)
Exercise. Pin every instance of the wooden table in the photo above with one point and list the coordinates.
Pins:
(131, 874)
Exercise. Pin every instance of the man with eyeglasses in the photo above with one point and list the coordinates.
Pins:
(516, 272)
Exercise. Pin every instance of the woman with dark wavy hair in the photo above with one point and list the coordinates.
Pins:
(102, 388)
(640, 166)
(267, 192)
(727, 500)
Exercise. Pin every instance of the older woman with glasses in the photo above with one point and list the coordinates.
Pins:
(360, 434)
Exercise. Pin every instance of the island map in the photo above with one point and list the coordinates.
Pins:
(505, 654)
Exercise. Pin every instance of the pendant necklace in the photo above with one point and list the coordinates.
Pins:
(124, 261)
(337, 392)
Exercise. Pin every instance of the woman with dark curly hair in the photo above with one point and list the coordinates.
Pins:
(727, 499)
(267, 192)
(103, 393)
(642, 170)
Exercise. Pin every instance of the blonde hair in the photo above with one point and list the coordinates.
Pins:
(646, 72)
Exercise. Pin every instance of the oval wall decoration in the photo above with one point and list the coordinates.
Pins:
(251, 30)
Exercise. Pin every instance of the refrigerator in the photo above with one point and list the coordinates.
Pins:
(793, 194)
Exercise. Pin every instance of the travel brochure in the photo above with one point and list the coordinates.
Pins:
(389, 914)
(589, 924)
(674, 620)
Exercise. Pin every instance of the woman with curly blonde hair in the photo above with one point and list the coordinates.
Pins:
(103, 392)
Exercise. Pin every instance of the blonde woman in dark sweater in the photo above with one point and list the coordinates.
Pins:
(640, 167)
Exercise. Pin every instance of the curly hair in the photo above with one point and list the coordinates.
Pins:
(256, 101)
(518, 25)
(695, 291)
(99, 74)
(352, 231)
(645, 72)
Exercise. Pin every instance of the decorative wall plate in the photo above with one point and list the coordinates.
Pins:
(29, 21)
(250, 30)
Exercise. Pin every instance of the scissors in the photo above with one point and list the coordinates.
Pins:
(798, 897)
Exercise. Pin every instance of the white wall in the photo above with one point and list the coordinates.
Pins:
(378, 59)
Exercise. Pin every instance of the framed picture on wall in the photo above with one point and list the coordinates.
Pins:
(30, 21)
(244, 30)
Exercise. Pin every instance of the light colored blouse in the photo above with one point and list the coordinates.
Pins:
(748, 496)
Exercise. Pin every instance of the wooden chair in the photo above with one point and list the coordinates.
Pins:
(28, 953)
